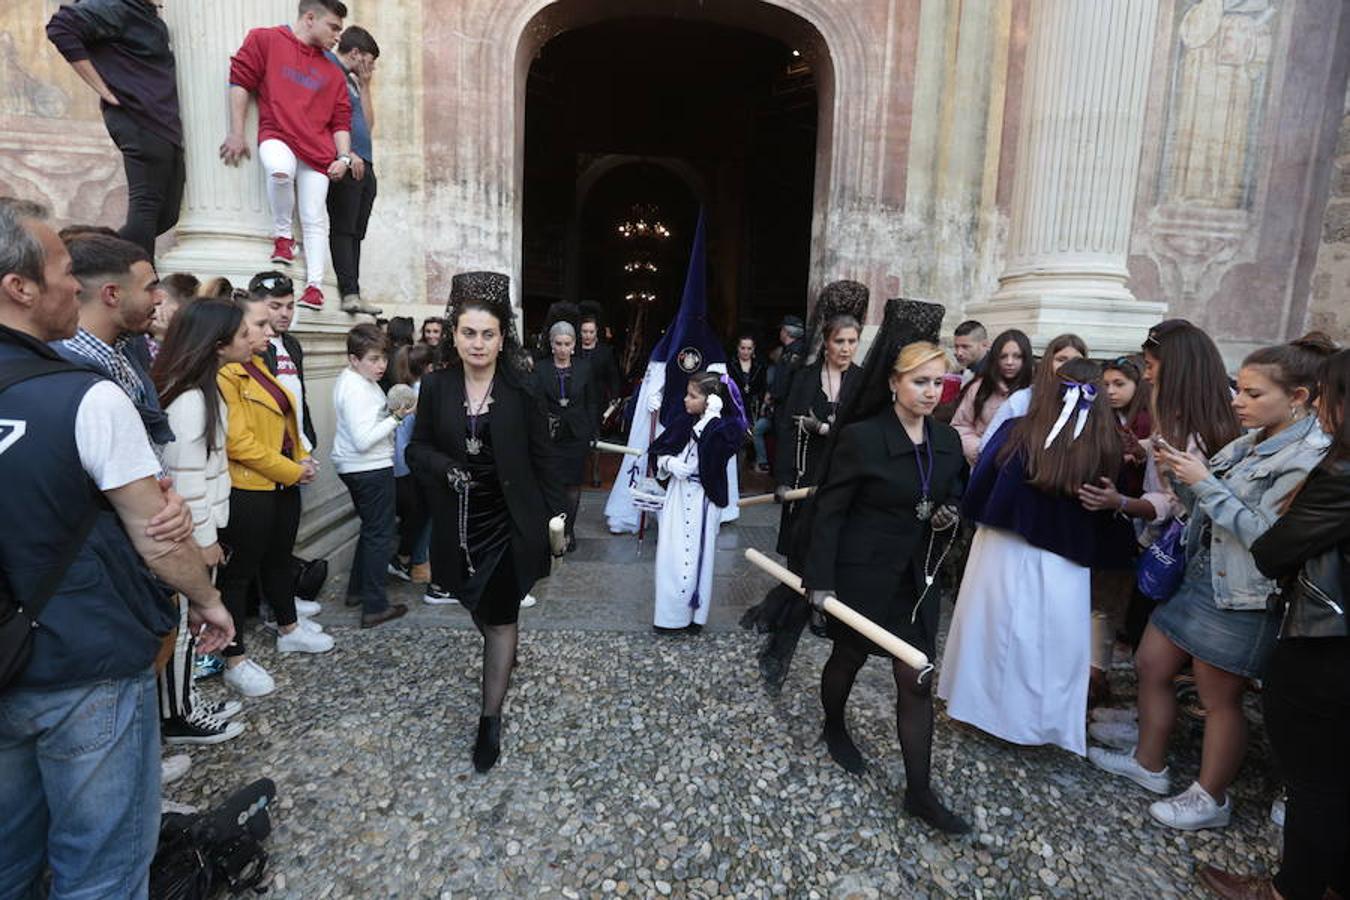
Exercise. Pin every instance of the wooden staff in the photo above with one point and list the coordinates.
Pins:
(788, 497)
(607, 447)
(906, 653)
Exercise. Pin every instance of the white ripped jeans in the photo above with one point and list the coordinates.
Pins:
(288, 177)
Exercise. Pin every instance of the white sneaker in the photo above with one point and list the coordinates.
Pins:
(307, 608)
(1123, 763)
(1121, 735)
(530, 600)
(1115, 714)
(305, 625)
(172, 768)
(1192, 810)
(303, 640)
(250, 679)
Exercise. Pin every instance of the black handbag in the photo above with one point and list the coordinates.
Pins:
(200, 855)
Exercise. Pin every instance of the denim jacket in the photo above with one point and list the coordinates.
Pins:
(1241, 497)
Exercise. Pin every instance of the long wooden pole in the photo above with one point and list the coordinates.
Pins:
(788, 497)
(906, 653)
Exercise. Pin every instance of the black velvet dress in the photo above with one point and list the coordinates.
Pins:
(490, 589)
(799, 454)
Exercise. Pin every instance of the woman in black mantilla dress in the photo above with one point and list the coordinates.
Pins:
(807, 414)
(882, 520)
(568, 386)
(481, 451)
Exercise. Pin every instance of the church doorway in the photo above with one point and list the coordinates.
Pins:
(641, 121)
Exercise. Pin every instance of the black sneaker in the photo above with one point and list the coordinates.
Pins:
(399, 569)
(199, 728)
(438, 596)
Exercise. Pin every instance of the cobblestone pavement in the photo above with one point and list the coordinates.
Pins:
(642, 765)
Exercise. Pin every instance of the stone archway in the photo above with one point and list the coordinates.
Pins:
(776, 20)
(478, 55)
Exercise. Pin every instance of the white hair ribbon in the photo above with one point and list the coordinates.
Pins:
(1077, 398)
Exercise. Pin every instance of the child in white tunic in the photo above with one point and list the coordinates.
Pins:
(692, 456)
(1017, 655)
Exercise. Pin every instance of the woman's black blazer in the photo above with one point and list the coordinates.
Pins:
(522, 450)
(864, 531)
(583, 409)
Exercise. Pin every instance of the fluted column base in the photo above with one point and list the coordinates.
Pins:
(1096, 306)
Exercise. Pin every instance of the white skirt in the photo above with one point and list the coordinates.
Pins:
(1017, 655)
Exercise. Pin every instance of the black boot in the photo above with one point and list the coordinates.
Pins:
(843, 750)
(925, 805)
(489, 743)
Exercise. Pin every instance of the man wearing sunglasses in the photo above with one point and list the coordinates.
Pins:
(284, 357)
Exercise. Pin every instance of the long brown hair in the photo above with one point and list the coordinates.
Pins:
(1192, 395)
(411, 363)
(188, 359)
(1067, 464)
(1334, 387)
(991, 378)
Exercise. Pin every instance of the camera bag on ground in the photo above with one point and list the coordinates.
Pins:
(201, 855)
(17, 620)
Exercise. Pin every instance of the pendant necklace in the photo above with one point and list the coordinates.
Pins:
(473, 443)
(923, 510)
(562, 387)
(832, 402)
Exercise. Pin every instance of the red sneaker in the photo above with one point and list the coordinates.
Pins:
(283, 251)
(312, 298)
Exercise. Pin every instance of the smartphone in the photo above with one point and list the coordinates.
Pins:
(1161, 441)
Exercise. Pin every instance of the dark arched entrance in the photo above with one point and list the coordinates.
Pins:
(699, 113)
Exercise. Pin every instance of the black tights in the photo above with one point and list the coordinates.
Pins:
(572, 494)
(913, 709)
(499, 658)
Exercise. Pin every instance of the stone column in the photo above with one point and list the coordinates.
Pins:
(1077, 166)
(224, 230)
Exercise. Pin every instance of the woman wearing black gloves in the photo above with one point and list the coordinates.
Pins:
(568, 387)
(481, 450)
(883, 518)
(1307, 684)
(805, 419)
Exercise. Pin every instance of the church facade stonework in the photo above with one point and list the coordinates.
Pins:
(1050, 164)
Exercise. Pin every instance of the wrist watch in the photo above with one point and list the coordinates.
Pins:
(345, 160)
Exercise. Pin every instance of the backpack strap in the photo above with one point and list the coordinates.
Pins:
(12, 373)
(15, 371)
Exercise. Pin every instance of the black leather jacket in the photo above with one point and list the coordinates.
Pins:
(1308, 550)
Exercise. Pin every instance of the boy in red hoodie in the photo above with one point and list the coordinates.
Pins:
(304, 127)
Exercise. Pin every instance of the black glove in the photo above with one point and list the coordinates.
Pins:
(946, 516)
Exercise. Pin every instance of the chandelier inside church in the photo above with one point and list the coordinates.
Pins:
(643, 221)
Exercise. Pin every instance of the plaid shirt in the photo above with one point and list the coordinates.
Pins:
(113, 359)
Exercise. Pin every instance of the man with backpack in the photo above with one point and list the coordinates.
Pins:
(82, 608)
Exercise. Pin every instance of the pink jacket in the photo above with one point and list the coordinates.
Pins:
(971, 429)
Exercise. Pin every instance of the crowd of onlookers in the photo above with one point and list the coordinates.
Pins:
(156, 434)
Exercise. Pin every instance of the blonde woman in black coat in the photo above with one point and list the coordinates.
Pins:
(884, 515)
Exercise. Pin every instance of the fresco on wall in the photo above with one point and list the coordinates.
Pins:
(1209, 187)
(53, 146)
(1218, 99)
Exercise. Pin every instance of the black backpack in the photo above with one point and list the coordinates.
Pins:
(201, 854)
(17, 620)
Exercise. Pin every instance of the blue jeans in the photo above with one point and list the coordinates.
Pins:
(762, 427)
(373, 495)
(79, 788)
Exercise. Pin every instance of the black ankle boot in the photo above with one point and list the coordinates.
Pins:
(489, 744)
(926, 806)
(843, 750)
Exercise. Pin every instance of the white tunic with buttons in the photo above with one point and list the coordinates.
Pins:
(688, 519)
